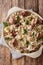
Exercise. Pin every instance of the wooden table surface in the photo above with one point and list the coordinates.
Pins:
(5, 55)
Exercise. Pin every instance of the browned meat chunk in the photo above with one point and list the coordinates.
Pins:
(12, 20)
(40, 36)
(33, 23)
(36, 21)
(14, 42)
(39, 21)
(25, 13)
(13, 33)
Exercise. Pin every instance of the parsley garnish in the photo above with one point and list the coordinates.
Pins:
(5, 24)
(27, 22)
(27, 43)
(33, 34)
(21, 39)
(30, 19)
(24, 31)
(8, 38)
(18, 18)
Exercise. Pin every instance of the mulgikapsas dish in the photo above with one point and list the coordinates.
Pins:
(23, 31)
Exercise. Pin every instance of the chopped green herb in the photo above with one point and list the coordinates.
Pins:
(24, 31)
(5, 24)
(18, 18)
(30, 19)
(33, 34)
(21, 39)
(8, 38)
(27, 43)
(27, 22)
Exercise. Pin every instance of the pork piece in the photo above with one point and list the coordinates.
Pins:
(17, 24)
(13, 33)
(25, 13)
(40, 36)
(33, 47)
(39, 21)
(14, 42)
(33, 23)
(36, 21)
(12, 20)
(23, 50)
(42, 43)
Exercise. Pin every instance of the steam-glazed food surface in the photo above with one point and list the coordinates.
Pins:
(23, 31)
